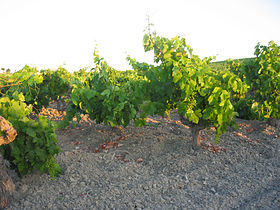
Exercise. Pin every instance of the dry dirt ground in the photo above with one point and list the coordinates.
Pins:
(154, 167)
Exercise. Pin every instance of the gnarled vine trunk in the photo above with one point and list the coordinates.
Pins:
(7, 186)
(195, 137)
(195, 130)
(9, 133)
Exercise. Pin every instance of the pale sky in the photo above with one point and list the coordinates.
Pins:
(49, 33)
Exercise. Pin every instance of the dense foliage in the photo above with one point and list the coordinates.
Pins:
(55, 86)
(25, 81)
(38, 88)
(107, 96)
(182, 80)
(22, 93)
(262, 74)
(35, 144)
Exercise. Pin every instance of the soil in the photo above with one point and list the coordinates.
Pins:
(154, 167)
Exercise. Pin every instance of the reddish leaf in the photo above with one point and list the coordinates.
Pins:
(205, 148)
(250, 130)
(242, 125)
(213, 148)
(96, 150)
(108, 147)
(238, 134)
(122, 138)
(103, 146)
(111, 143)
(119, 145)
(120, 157)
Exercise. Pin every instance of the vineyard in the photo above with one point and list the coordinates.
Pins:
(181, 97)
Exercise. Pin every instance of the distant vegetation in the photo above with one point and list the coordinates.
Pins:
(221, 65)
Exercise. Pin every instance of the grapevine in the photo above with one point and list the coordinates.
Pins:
(201, 94)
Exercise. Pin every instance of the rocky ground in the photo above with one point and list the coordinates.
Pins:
(154, 167)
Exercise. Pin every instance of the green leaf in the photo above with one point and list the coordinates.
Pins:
(167, 56)
(192, 116)
(220, 119)
(210, 99)
(234, 86)
(120, 106)
(223, 97)
(90, 94)
(80, 106)
(207, 113)
(217, 89)
(203, 91)
(31, 132)
(177, 77)
(75, 99)
(106, 92)
(198, 113)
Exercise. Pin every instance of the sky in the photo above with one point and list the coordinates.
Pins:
(52, 33)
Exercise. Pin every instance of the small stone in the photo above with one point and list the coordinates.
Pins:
(213, 190)
(24, 188)
(145, 187)
(72, 179)
(26, 203)
(187, 179)
(67, 153)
